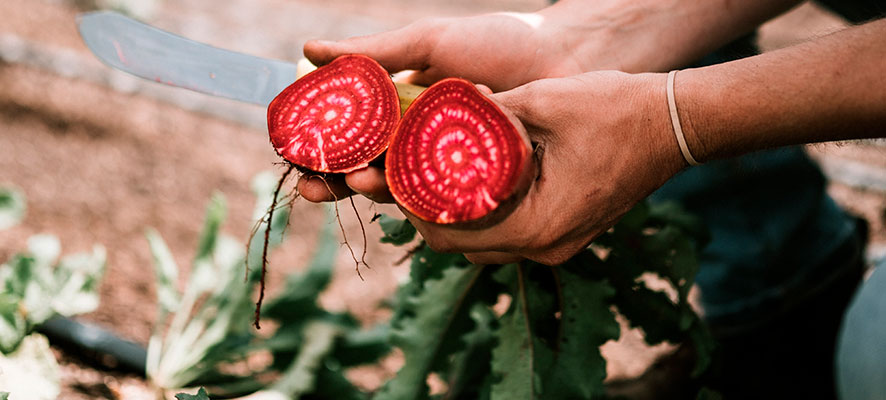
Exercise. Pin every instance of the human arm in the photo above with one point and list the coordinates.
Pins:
(832, 88)
(609, 142)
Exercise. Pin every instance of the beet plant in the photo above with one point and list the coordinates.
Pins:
(546, 344)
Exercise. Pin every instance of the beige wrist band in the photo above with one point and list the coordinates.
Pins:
(675, 120)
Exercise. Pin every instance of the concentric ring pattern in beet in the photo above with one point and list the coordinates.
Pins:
(455, 156)
(338, 118)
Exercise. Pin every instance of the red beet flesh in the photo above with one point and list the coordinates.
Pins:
(455, 156)
(337, 118)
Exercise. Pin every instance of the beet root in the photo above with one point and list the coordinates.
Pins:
(337, 118)
(456, 157)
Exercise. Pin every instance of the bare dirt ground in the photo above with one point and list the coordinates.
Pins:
(99, 166)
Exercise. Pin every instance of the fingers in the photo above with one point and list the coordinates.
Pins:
(484, 89)
(405, 48)
(316, 189)
(370, 182)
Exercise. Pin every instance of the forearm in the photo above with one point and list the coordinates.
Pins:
(833, 88)
(654, 35)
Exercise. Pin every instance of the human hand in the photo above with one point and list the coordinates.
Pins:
(605, 142)
(501, 50)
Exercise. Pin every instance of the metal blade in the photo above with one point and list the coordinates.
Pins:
(147, 52)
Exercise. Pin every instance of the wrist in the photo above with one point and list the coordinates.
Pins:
(656, 132)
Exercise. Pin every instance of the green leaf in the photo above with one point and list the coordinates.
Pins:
(299, 296)
(653, 312)
(470, 370)
(13, 326)
(519, 352)
(166, 273)
(31, 372)
(358, 347)
(4, 395)
(671, 213)
(705, 345)
(77, 278)
(301, 377)
(422, 330)
(215, 216)
(12, 207)
(397, 231)
(201, 395)
(36, 287)
(332, 384)
(586, 323)
(635, 218)
(16, 275)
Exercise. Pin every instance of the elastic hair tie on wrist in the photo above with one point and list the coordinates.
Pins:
(675, 120)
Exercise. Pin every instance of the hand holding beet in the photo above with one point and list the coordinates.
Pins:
(595, 161)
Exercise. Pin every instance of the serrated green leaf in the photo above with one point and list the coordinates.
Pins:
(4, 395)
(469, 374)
(397, 231)
(422, 331)
(586, 323)
(518, 354)
(201, 395)
(12, 207)
(669, 253)
(333, 385)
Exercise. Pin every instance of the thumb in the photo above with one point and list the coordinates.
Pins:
(518, 102)
(405, 48)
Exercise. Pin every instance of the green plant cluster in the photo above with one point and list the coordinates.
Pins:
(520, 331)
(35, 285)
(546, 344)
(203, 335)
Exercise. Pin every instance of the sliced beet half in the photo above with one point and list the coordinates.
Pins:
(337, 118)
(456, 156)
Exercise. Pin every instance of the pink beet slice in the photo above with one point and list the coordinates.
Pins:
(337, 118)
(456, 157)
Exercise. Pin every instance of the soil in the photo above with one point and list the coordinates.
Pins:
(99, 165)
